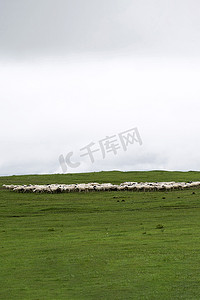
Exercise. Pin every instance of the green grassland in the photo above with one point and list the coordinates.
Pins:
(100, 245)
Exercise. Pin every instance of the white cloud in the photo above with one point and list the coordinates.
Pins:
(54, 107)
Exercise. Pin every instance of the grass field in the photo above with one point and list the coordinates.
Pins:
(100, 245)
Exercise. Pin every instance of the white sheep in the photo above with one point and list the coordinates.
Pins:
(94, 186)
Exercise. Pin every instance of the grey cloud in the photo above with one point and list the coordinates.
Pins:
(49, 27)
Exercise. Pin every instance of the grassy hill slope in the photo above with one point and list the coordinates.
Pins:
(100, 245)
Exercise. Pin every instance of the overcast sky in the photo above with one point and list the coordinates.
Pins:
(76, 72)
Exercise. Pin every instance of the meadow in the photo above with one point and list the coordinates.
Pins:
(100, 245)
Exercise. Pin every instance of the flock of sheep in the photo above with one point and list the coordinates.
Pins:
(94, 186)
